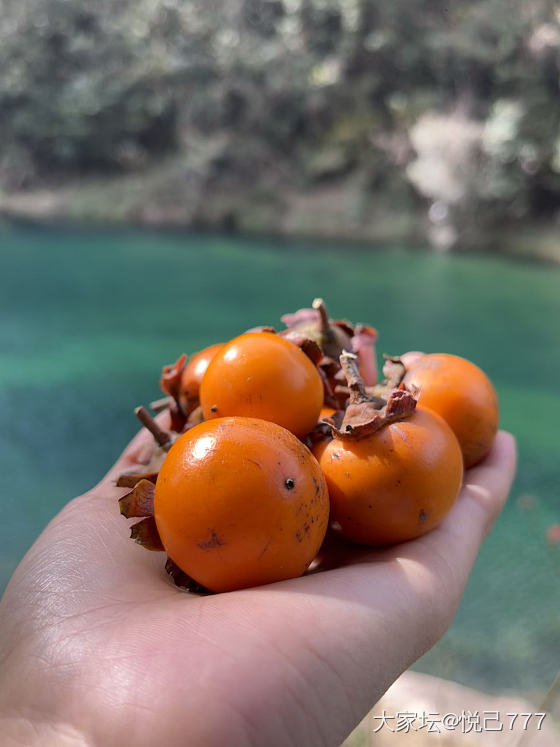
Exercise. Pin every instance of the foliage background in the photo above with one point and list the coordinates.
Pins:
(366, 118)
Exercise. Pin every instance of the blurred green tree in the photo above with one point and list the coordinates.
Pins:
(306, 90)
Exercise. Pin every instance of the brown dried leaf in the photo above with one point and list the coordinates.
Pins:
(344, 325)
(332, 337)
(145, 533)
(393, 371)
(306, 345)
(130, 480)
(365, 413)
(401, 402)
(183, 580)
(170, 381)
(140, 501)
(177, 415)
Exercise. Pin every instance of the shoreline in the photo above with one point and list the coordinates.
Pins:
(325, 214)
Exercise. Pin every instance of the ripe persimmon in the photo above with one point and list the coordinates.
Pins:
(463, 395)
(262, 375)
(193, 373)
(393, 472)
(240, 502)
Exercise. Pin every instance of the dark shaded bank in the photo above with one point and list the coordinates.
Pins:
(338, 211)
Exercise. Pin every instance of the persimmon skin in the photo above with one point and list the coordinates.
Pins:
(262, 375)
(397, 483)
(194, 371)
(463, 395)
(240, 502)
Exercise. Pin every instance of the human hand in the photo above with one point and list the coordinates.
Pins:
(97, 649)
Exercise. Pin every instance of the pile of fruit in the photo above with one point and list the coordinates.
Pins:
(275, 438)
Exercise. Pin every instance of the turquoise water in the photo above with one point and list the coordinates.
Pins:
(88, 318)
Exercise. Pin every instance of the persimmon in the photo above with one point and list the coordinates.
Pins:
(193, 373)
(240, 502)
(393, 471)
(463, 395)
(262, 375)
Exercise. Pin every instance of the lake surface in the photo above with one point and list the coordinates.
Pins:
(88, 318)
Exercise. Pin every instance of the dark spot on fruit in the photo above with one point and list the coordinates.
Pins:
(422, 516)
(211, 543)
(348, 518)
(336, 455)
(290, 484)
(299, 536)
(265, 548)
(214, 408)
(369, 505)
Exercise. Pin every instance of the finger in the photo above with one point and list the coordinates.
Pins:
(487, 485)
(449, 551)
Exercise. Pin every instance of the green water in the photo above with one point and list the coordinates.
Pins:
(87, 319)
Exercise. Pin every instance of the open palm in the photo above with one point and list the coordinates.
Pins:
(98, 648)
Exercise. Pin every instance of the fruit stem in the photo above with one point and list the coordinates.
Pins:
(162, 437)
(319, 305)
(358, 393)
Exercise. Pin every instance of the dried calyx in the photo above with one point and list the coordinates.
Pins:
(183, 580)
(139, 503)
(332, 337)
(170, 384)
(367, 413)
(394, 371)
(153, 456)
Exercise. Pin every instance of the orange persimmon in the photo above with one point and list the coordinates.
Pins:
(393, 471)
(463, 395)
(193, 372)
(262, 375)
(240, 502)
(395, 484)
